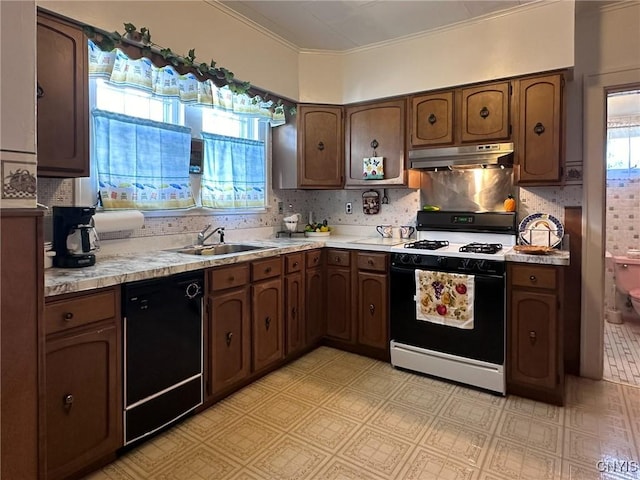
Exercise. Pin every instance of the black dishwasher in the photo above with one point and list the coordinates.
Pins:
(162, 351)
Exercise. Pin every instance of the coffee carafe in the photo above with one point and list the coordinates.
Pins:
(74, 237)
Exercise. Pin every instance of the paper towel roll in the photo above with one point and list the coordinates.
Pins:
(106, 222)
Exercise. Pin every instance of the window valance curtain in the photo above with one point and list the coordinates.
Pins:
(121, 70)
(141, 163)
(233, 172)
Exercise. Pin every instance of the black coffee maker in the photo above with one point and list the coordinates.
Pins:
(74, 237)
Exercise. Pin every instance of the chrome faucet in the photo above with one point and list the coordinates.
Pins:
(202, 237)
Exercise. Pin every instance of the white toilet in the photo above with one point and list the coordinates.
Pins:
(627, 278)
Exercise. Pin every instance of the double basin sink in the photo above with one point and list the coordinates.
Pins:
(216, 249)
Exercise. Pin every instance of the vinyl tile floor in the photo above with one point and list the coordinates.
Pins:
(622, 352)
(332, 415)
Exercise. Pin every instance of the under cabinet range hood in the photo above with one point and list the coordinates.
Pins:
(469, 156)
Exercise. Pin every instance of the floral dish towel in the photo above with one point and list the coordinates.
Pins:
(445, 298)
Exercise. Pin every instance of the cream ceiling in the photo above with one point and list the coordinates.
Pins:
(351, 24)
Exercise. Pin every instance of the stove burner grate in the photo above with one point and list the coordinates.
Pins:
(427, 244)
(481, 247)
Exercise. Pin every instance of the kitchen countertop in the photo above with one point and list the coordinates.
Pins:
(117, 269)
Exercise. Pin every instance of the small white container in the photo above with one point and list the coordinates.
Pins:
(291, 226)
(48, 258)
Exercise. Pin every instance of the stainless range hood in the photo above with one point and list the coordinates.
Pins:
(472, 156)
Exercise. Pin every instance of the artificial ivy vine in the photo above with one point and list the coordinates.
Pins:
(107, 41)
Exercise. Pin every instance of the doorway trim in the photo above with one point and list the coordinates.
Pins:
(596, 88)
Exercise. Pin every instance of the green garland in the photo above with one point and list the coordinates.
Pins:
(107, 41)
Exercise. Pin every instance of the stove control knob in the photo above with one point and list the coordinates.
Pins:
(416, 259)
(481, 265)
(441, 261)
(404, 258)
(465, 264)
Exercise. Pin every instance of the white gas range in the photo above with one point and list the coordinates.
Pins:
(448, 297)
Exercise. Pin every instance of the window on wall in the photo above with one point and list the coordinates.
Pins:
(147, 167)
(623, 133)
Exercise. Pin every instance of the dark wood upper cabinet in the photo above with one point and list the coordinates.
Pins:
(320, 147)
(484, 114)
(63, 99)
(431, 119)
(376, 130)
(540, 151)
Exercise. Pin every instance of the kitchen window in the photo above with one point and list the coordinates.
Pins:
(233, 130)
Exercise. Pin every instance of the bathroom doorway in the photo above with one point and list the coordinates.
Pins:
(622, 237)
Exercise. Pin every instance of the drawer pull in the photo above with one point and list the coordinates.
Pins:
(372, 309)
(267, 322)
(533, 337)
(338, 260)
(315, 259)
(295, 264)
(67, 401)
(267, 270)
(370, 262)
(533, 278)
(232, 279)
(228, 338)
(68, 316)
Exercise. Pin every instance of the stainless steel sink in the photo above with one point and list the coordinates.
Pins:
(216, 249)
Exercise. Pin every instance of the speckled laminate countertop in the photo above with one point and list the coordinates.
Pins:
(118, 269)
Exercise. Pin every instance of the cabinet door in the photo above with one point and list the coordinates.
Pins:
(83, 402)
(539, 145)
(320, 147)
(230, 343)
(267, 323)
(533, 341)
(339, 323)
(376, 129)
(485, 113)
(63, 104)
(294, 312)
(432, 119)
(315, 305)
(373, 321)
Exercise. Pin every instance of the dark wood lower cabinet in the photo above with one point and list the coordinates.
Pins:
(267, 323)
(83, 381)
(314, 297)
(21, 338)
(230, 339)
(294, 313)
(339, 303)
(373, 311)
(534, 332)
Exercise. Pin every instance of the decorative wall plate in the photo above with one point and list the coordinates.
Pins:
(541, 229)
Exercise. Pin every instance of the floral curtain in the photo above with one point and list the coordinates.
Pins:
(234, 172)
(141, 163)
(119, 69)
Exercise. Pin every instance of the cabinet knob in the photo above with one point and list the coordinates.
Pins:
(538, 129)
(320, 146)
(338, 260)
(315, 259)
(267, 322)
(67, 401)
(484, 113)
(372, 309)
(39, 92)
(232, 279)
(374, 144)
(293, 312)
(295, 264)
(267, 270)
(432, 119)
(533, 278)
(68, 316)
(533, 337)
(228, 338)
(370, 262)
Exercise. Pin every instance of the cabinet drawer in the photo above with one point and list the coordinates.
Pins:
(338, 257)
(293, 263)
(376, 262)
(314, 258)
(228, 277)
(81, 310)
(531, 276)
(265, 268)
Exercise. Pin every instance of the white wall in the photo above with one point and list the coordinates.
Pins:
(535, 38)
(215, 34)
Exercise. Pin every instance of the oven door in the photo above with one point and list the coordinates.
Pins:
(484, 342)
